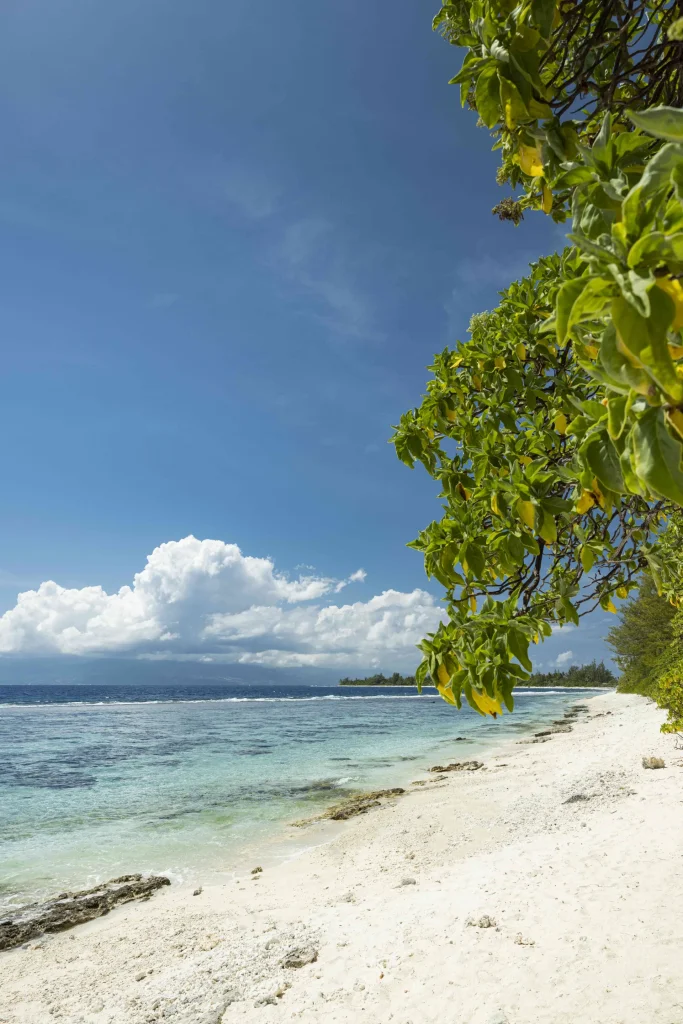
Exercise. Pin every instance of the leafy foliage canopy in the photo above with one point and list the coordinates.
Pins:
(556, 431)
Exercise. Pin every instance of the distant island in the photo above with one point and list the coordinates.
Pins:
(380, 680)
(578, 675)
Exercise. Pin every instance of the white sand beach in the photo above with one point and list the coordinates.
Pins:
(584, 901)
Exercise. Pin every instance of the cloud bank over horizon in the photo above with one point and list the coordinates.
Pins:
(204, 599)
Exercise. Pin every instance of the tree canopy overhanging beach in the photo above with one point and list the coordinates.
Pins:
(556, 431)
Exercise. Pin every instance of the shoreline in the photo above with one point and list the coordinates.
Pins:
(586, 896)
(207, 852)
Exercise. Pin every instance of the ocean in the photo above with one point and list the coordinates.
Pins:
(191, 780)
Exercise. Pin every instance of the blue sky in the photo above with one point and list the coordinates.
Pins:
(233, 235)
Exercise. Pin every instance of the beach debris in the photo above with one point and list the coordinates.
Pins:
(360, 803)
(461, 739)
(483, 922)
(458, 766)
(653, 762)
(72, 908)
(273, 998)
(299, 956)
(198, 891)
(257, 870)
(536, 739)
(408, 881)
(521, 941)
(576, 798)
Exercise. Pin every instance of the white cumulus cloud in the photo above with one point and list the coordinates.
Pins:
(564, 659)
(206, 599)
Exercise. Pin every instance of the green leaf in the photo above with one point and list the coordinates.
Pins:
(645, 339)
(617, 414)
(487, 95)
(657, 174)
(662, 122)
(421, 674)
(617, 367)
(518, 645)
(603, 459)
(514, 108)
(566, 297)
(543, 13)
(587, 556)
(657, 456)
(547, 528)
(570, 611)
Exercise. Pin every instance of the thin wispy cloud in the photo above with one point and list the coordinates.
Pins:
(311, 256)
(162, 300)
(254, 195)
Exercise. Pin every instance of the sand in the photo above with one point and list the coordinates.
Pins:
(583, 902)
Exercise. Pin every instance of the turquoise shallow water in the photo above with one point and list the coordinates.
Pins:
(178, 781)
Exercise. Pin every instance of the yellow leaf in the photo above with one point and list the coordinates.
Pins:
(466, 494)
(495, 508)
(473, 603)
(525, 460)
(675, 418)
(443, 675)
(676, 351)
(536, 638)
(456, 361)
(592, 351)
(476, 380)
(547, 203)
(446, 693)
(561, 423)
(610, 606)
(585, 502)
(526, 511)
(430, 433)
(530, 160)
(485, 703)
(597, 493)
(499, 363)
(622, 592)
(520, 351)
(451, 415)
(674, 289)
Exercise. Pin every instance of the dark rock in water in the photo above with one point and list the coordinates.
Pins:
(72, 908)
(458, 766)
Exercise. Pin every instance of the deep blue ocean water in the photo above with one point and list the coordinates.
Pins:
(97, 781)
